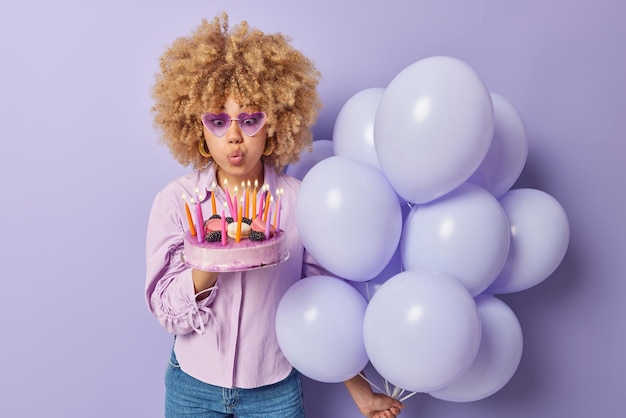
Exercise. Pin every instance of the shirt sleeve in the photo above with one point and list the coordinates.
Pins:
(170, 293)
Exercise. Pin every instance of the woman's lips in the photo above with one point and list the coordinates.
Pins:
(235, 157)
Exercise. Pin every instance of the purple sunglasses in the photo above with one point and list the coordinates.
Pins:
(218, 125)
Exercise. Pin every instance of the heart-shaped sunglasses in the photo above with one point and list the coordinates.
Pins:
(218, 125)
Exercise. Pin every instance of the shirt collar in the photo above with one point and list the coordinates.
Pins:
(208, 178)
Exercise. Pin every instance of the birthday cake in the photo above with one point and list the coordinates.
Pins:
(227, 245)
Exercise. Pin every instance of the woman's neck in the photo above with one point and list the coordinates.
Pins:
(237, 184)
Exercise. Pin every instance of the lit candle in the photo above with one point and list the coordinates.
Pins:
(247, 211)
(239, 222)
(192, 229)
(213, 208)
(260, 214)
(277, 209)
(256, 184)
(199, 220)
(230, 203)
(235, 212)
(277, 223)
(223, 227)
(267, 226)
(267, 204)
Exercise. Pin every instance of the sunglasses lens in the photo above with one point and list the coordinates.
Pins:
(251, 124)
(217, 124)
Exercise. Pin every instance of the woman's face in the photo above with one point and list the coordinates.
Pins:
(237, 154)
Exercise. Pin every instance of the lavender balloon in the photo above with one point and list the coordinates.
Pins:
(353, 134)
(498, 357)
(465, 234)
(321, 149)
(349, 217)
(421, 330)
(433, 127)
(368, 288)
(507, 153)
(319, 325)
(539, 239)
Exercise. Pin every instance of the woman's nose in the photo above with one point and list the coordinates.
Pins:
(233, 135)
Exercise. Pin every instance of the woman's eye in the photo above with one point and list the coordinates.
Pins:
(250, 121)
(217, 122)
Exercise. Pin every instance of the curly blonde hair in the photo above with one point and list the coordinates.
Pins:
(259, 70)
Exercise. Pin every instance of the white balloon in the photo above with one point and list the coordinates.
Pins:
(507, 154)
(433, 128)
(539, 239)
(353, 134)
(421, 330)
(322, 149)
(498, 357)
(349, 218)
(368, 288)
(319, 324)
(464, 234)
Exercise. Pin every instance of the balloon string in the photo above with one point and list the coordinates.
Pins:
(396, 393)
(367, 291)
(370, 382)
(407, 396)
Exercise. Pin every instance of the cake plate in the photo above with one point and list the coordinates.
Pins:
(233, 269)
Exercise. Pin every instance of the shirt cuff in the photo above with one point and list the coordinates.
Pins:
(191, 290)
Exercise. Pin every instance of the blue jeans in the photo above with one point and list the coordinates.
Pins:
(186, 396)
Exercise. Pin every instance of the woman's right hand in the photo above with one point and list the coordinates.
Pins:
(203, 280)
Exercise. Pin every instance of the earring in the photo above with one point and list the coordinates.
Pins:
(204, 151)
(269, 148)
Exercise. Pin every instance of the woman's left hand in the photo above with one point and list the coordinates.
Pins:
(381, 406)
(371, 404)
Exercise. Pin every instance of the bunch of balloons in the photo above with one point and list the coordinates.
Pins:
(410, 209)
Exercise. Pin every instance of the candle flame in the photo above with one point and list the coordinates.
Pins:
(200, 198)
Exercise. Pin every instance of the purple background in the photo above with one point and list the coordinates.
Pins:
(81, 163)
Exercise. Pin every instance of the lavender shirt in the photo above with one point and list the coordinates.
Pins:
(227, 339)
